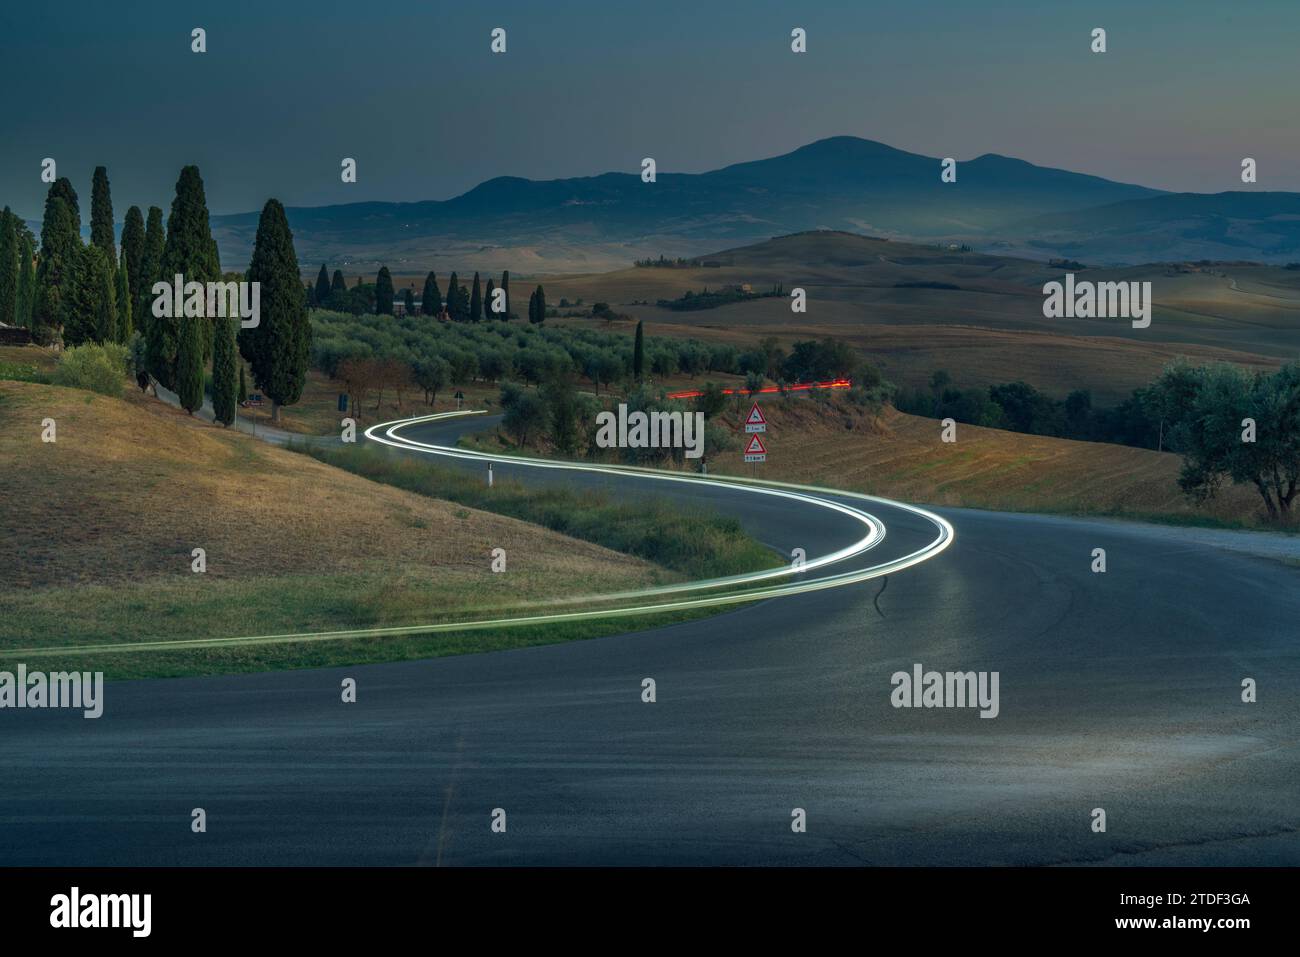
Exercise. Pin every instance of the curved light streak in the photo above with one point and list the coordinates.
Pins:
(806, 493)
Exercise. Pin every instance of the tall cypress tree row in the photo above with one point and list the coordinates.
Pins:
(133, 248)
(338, 284)
(638, 353)
(322, 286)
(476, 301)
(225, 381)
(384, 292)
(101, 214)
(123, 301)
(488, 290)
(505, 284)
(26, 285)
(60, 251)
(431, 299)
(243, 385)
(190, 253)
(278, 347)
(8, 268)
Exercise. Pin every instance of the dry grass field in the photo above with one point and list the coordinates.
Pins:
(97, 528)
(901, 456)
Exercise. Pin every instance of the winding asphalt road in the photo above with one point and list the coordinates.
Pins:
(1118, 690)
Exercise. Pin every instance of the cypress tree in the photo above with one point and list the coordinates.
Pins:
(243, 386)
(26, 285)
(309, 290)
(476, 301)
(60, 252)
(9, 266)
(505, 284)
(90, 306)
(453, 298)
(384, 292)
(62, 188)
(532, 307)
(208, 329)
(339, 284)
(488, 290)
(101, 214)
(408, 299)
(122, 299)
(155, 240)
(638, 353)
(322, 286)
(133, 249)
(190, 253)
(431, 298)
(279, 345)
(541, 305)
(224, 363)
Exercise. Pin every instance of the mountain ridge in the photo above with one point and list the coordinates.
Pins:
(998, 203)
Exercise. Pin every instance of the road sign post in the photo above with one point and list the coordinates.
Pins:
(755, 451)
(754, 422)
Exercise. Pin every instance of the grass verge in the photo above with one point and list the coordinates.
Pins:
(695, 542)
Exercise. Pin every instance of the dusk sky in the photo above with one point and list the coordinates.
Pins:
(287, 89)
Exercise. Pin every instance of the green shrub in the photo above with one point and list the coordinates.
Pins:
(99, 368)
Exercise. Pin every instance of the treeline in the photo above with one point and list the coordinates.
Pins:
(1019, 407)
(692, 302)
(440, 354)
(808, 361)
(1229, 424)
(476, 302)
(70, 293)
(664, 262)
(557, 418)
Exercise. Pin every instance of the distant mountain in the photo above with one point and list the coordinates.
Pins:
(839, 183)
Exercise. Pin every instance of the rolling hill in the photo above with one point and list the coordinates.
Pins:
(1262, 226)
(916, 308)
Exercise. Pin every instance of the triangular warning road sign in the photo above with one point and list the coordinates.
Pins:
(755, 416)
(756, 446)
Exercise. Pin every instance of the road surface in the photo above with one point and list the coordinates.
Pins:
(1119, 691)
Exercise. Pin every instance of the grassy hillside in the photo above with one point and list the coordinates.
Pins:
(901, 456)
(96, 533)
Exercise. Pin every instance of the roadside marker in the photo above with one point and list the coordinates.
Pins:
(756, 451)
(755, 422)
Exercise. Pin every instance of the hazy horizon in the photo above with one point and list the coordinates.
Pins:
(285, 92)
